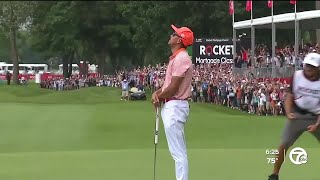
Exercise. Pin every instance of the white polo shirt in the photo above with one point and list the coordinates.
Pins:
(306, 93)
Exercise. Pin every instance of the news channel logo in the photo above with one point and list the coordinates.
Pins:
(298, 156)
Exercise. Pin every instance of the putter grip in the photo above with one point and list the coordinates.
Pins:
(157, 127)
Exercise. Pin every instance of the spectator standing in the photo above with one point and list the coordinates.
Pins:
(125, 90)
(8, 77)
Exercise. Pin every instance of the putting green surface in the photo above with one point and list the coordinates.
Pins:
(89, 134)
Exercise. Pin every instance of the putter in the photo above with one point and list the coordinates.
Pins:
(155, 143)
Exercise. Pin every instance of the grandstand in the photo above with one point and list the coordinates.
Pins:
(308, 20)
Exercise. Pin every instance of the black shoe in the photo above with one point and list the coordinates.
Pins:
(273, 177)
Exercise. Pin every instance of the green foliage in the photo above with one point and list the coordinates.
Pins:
(4, 47)
(15, 15)
(125, 33)
(306, 37)
(22, 11)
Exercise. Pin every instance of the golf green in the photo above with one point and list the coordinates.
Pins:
(89, 134)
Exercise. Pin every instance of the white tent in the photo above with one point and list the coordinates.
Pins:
(305, 20)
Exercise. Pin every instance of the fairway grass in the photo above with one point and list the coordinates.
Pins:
(89, 134)
(206, 164)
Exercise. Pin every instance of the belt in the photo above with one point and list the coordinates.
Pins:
(170, 99)
(303, 111)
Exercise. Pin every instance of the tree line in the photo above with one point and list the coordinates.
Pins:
(113, 34)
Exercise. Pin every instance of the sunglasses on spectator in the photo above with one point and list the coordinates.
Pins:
(175, 34)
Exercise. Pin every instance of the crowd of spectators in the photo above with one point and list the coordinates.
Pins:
(216, 84)
(211, 83)
(77, 82)
(283, 56)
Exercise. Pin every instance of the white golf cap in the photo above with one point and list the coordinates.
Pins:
(312, 59)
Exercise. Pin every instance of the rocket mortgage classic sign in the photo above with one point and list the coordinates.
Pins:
(213, 51)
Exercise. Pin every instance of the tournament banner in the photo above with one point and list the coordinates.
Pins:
(213, 51)
(44, 76)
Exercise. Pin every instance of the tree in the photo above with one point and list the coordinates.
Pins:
(15, 15)
(54, 33)
(107, 32)
(132, 33)
(150, 22)
(4, 47)
(83, 30)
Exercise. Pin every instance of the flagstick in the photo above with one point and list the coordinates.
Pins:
(253, 62)
(234, 32)
(273, 43)
(251, 13)
(296, 47)
(234, 40)
(233, 17)
(272, 12)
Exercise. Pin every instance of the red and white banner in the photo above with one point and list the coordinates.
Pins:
(282, 80)
(26, 76)
(45, 76)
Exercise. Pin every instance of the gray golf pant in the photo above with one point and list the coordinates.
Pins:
(294, 129)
